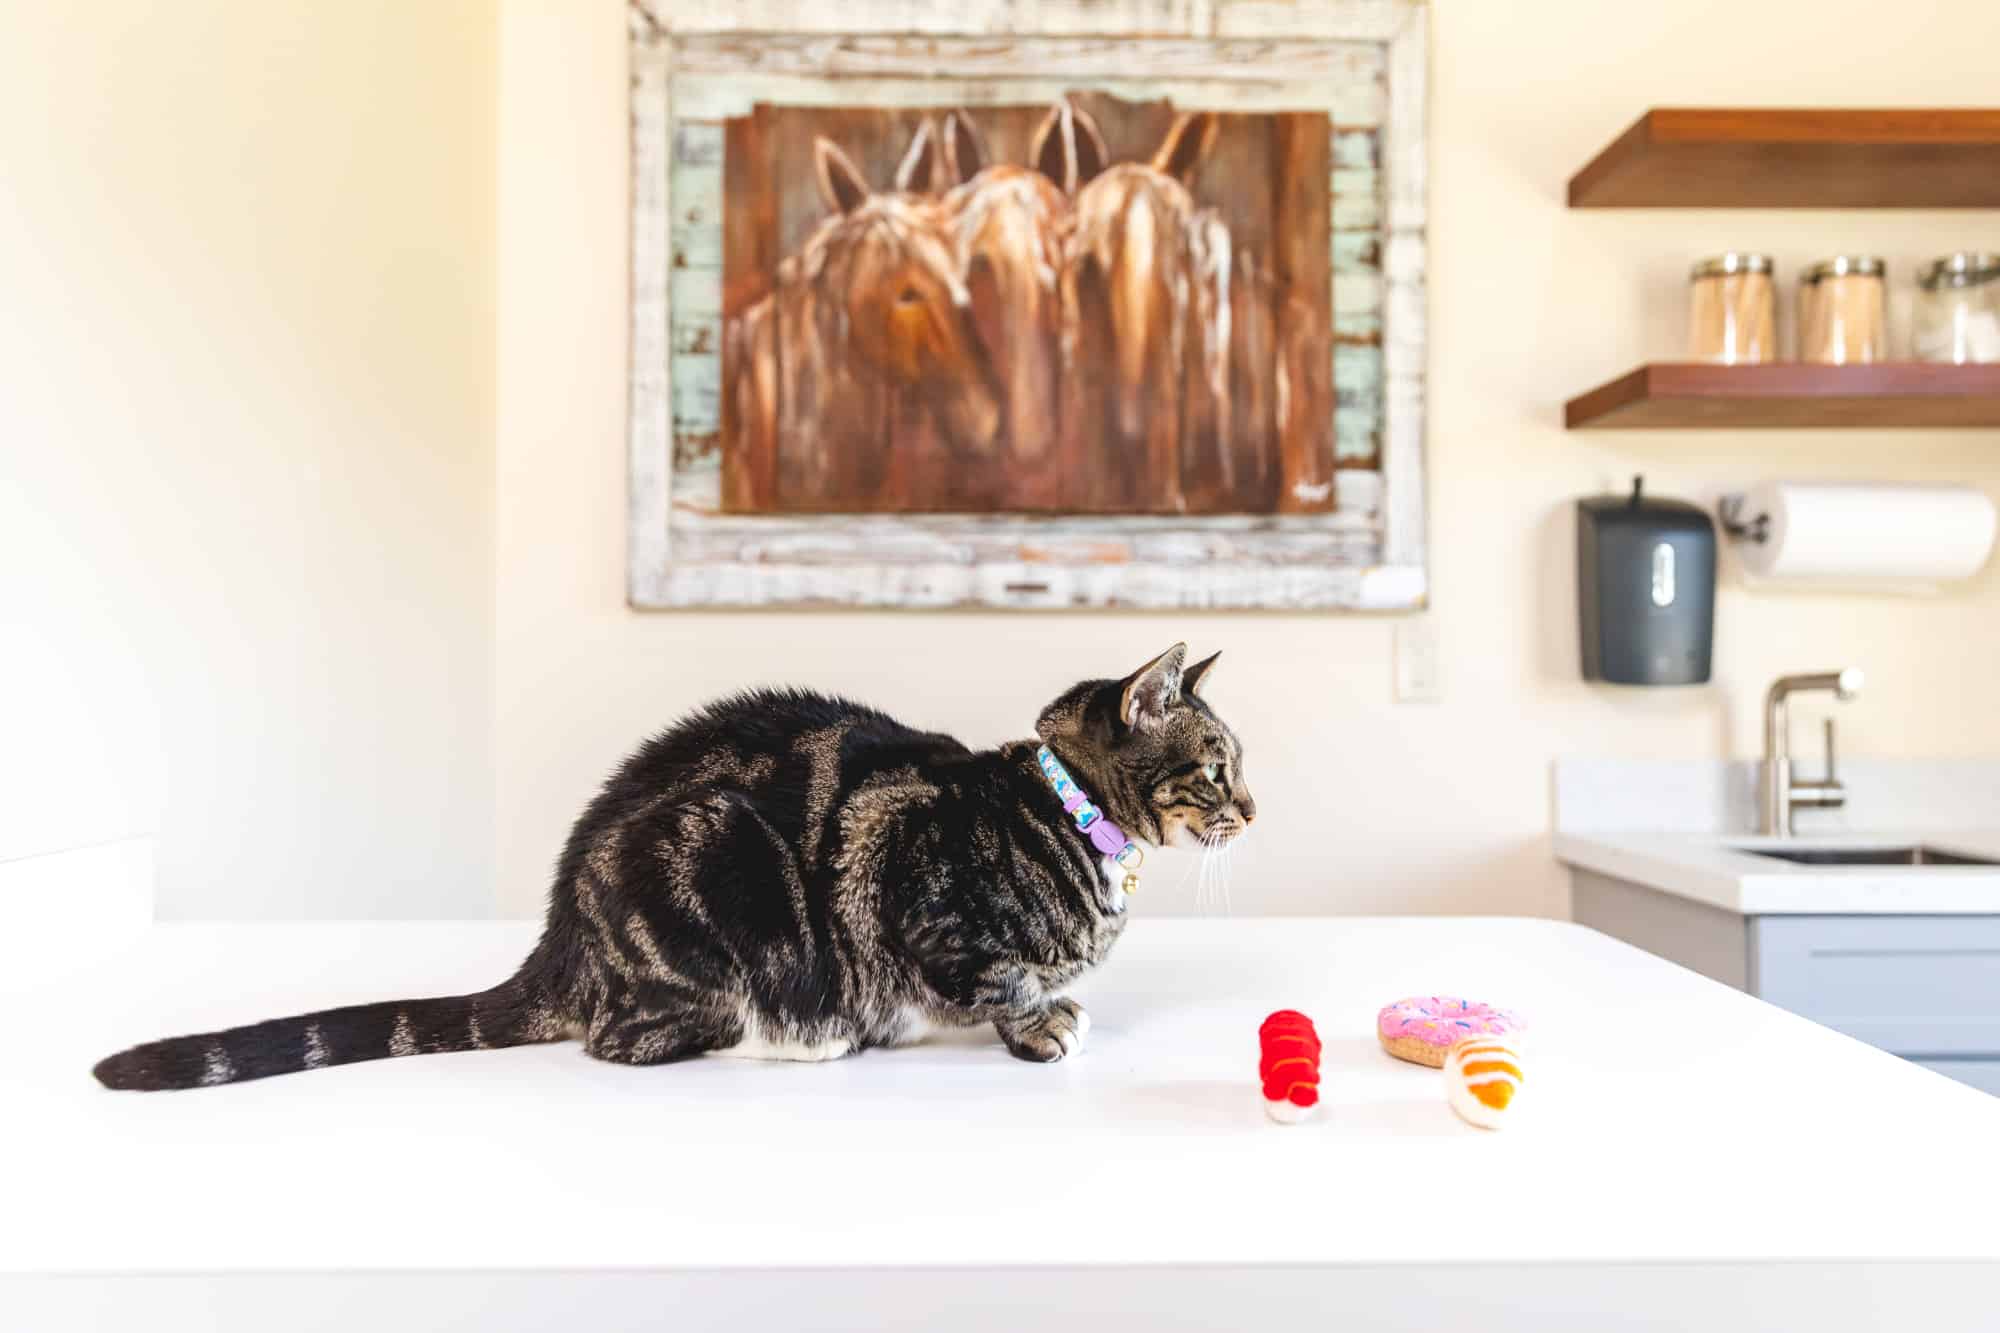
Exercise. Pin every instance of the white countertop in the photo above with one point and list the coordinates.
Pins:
(1667, 1119)
(680, 1165)
(1713, 868)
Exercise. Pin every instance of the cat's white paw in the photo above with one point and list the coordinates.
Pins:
(1079, 1026)
(1053, 1034)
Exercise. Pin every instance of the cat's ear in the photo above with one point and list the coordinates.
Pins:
(1197, 675)
(1152, 691)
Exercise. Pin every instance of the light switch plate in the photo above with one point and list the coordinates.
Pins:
(1417, 661)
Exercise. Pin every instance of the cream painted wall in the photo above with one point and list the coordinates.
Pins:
(246, 467)
(1369, 806)
(311, 558)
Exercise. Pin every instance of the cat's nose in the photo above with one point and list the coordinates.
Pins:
(1248, 809)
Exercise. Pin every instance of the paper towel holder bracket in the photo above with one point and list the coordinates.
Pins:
(1730, 510)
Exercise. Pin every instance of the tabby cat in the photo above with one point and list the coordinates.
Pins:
(794, 876)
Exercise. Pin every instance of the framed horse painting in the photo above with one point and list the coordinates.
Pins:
(1069, 305)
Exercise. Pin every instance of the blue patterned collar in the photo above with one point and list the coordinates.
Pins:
(1104, 835)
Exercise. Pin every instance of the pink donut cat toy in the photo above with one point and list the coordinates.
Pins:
(1423, 1028)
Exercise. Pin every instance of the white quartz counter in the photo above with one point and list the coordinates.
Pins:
(1687, 827)
(1685, 1156)
(1723, 871)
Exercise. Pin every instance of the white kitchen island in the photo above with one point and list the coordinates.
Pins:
(1686, 1156)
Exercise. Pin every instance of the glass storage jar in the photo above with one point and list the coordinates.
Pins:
(1843, 311)
(1732, 310)
(1957, 313)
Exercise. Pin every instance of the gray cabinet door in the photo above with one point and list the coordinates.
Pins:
(1915, 985)
(1981, 1074)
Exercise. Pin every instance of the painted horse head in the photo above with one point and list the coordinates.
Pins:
(1140, 270)
(887, 270)
(1007, 224)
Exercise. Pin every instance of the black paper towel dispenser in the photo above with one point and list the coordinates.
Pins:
(1645, 581)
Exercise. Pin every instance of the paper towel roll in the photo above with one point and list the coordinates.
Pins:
(1867, 530)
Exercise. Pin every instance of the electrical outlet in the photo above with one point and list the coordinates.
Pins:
(1417, 661)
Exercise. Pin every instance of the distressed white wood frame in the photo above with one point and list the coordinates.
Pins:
(1368, 554)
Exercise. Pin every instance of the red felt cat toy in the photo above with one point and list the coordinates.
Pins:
(1288, 1066)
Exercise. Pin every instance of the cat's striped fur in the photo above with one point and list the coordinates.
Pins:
(793, 875)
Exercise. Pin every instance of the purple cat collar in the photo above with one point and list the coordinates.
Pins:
(1104, 835)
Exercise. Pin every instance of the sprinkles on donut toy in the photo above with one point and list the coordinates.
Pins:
(1288, 1066)
(1422, 1028)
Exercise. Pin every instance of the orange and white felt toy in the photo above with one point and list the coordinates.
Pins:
(1482, 1076)
(1288, 1066)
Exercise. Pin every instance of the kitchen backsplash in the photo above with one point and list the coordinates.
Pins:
(1720, 796)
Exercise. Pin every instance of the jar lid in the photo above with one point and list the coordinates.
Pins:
(1731, 261)
(1965, 268)
(1842, 266)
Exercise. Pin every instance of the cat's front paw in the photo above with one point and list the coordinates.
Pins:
(1052, 1032)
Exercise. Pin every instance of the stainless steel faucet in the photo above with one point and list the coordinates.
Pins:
(1782, 795)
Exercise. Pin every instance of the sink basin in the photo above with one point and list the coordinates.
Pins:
(1867, 856)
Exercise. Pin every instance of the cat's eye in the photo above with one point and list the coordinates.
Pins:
(1213, 772)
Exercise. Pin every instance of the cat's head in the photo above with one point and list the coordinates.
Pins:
(1151, 751)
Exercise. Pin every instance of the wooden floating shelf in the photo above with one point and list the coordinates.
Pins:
(1740, 158)
(1693, 395)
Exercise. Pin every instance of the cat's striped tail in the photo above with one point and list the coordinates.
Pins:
(510, 1014)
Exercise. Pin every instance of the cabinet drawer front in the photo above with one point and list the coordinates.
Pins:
(1916, 985)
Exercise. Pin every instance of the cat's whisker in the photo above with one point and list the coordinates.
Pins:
(1215, 877)
(1192, 865)
(1214, 857)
